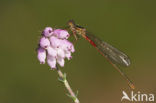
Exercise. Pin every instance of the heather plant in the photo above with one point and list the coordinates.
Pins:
(54, 47)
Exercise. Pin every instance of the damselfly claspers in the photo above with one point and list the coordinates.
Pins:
(113, 55)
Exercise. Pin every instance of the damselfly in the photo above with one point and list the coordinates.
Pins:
(113, 55)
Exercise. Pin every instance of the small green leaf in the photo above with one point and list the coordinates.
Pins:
(72, 97)
(60, 79)
(77, 92)
(64, 76)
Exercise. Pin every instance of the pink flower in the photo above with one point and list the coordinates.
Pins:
(48, 31)
(68, 46)
(44, 42)
(61, 34)
(55, 46)
(55, 42)
(51, 61)
(51, 51)
(68, 55)
(60, 61)
(41, 55)
(60, 53)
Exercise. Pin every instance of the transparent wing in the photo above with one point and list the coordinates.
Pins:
(109, 51)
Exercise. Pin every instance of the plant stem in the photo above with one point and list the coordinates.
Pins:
(62, 78)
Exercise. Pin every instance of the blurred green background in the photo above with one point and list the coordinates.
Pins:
(129, 25)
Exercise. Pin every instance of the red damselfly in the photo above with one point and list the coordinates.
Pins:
(113, 55)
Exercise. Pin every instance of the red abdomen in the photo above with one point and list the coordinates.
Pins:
(90, 41)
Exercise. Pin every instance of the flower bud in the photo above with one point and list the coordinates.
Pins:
(47, 32)
(51, 61)
(60, 61)
(55, 42)
(41, 55)
(51, 51)
(60, 53)
(68, 46)
(44, 42)
(61, 34)
(68, 55)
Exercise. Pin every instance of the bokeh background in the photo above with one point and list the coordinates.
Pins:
(129, 25)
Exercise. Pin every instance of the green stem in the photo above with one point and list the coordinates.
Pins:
(62, 78)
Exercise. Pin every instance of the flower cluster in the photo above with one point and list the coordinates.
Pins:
(54, 47)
